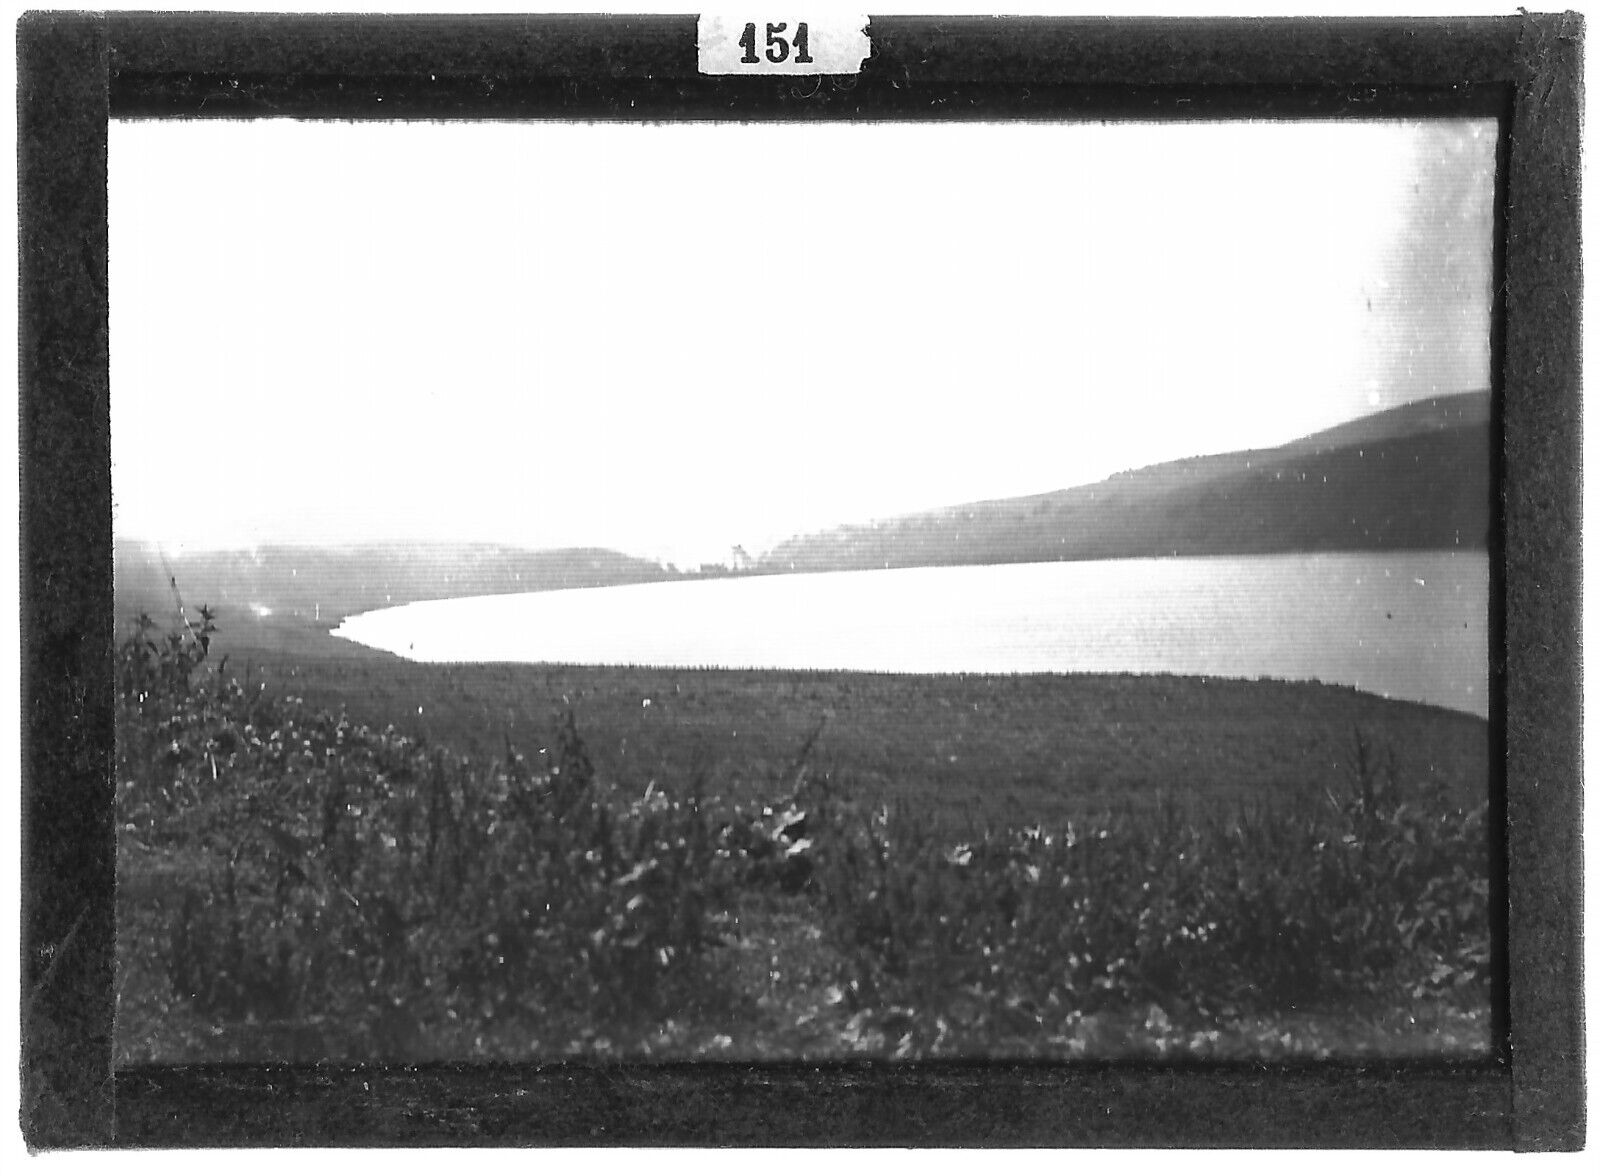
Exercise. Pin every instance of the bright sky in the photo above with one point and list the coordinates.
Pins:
(670, 339)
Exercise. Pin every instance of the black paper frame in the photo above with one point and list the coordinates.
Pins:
(78, 70)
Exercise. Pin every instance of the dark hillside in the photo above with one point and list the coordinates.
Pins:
(1426, 491)
(1421, 416)
(1416, 477)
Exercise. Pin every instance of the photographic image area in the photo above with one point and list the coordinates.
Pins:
(1022, 591)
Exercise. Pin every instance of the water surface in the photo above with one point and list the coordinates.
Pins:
(1410, 625)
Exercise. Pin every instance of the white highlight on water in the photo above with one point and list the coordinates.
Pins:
(1411, 625)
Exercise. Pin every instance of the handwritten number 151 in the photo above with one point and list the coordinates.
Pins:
(777, 45)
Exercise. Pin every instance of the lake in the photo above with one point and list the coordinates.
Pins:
(1411, 625)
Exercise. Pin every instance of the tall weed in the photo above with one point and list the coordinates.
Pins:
(1202, 919)
(353, 892)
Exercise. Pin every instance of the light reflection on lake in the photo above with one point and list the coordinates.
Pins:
(1410, 625)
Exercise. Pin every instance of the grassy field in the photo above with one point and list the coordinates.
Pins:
(332, 853)
(970, 749)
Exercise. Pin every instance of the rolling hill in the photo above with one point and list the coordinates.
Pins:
(1413, 477)
(327, 583)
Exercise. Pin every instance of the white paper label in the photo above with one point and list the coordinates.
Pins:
(783, 43)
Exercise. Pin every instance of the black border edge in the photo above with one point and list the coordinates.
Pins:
(68, 836)
(1543, 587)
(71, 67)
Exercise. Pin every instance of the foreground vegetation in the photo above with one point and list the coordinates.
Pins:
(300, 883)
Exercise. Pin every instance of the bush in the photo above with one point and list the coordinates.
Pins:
(1028, 932)
(358, 880)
